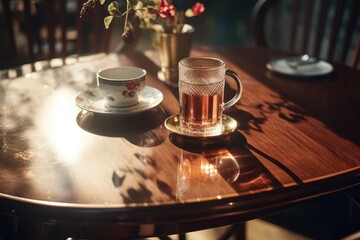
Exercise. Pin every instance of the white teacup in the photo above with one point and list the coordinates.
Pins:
(121, 86)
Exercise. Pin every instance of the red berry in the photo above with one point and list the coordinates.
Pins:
(87, 11)
(128, 36)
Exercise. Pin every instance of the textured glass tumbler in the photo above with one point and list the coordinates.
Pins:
(201, 95)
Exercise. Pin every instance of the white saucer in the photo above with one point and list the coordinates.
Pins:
(92, 101)
(229, 125)
(310, 70)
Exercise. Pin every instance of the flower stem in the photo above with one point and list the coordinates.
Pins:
(179, 22)
(127, 14)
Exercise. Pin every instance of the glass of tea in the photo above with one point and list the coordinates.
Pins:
(201, 95)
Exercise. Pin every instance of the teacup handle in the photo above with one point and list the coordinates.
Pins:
(239, 89)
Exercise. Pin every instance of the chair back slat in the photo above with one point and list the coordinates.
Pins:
(9, 28)
(29, 30)
(319, 36)
(64, 23)
(50, 27)
(336, 23)
(294, 24)
(258, 22)
(350, 27)
(308, 12)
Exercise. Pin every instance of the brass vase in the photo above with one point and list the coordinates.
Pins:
(172, 48)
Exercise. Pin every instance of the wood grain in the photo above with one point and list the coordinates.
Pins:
(129, 177)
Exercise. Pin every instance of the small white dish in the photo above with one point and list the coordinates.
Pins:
(282, 66)
(93, 101)
(229, 124)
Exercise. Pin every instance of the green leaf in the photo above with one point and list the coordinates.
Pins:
(102, 2)
(113, 8)
(107, 21)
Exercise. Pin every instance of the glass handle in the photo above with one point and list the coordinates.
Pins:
(239, 89)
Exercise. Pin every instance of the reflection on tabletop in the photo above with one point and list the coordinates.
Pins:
(211, 161)
(131, 127)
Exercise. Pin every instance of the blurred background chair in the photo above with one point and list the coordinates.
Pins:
(329, 29)
(322, 28)
(36, 30)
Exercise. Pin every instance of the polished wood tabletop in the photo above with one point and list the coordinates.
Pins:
(128, 176)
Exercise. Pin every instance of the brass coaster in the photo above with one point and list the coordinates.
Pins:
(229, 125)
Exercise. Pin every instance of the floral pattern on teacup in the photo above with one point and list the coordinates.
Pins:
(132, 88)
(110, 98)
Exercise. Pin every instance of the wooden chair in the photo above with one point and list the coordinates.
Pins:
(329, 29)
(322, 28)
(35, 30)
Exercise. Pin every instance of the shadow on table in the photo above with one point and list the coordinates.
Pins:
(143, 129)
(332, 99)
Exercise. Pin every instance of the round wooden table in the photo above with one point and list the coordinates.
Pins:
(66, 172)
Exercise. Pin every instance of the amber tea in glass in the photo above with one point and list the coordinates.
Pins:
(201, 90)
